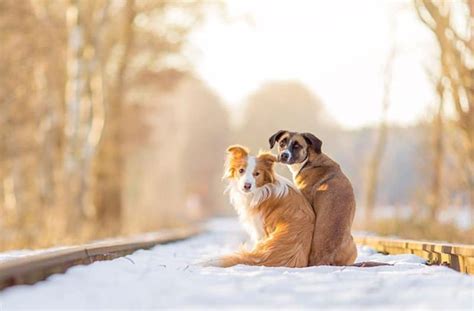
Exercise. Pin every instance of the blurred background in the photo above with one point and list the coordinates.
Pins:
(115, 114)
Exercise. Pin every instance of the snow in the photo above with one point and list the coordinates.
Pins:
(167, 276)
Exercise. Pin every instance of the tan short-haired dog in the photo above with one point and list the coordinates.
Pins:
(329, 192)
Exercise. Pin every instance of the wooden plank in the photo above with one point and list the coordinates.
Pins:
(459, 257)
(469, 264)
(34, 268)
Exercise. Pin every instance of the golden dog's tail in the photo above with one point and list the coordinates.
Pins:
(280, 249)
(259, 258)
(242, 258)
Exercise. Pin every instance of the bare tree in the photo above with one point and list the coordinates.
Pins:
(109, 161)
(373, 167)
(84, 103)
(456, 78)
(435, 200)
(67, 72)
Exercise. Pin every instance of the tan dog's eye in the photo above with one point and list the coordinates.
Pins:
(257, 174)
(296, 146)
(241, 171)
(282, 144)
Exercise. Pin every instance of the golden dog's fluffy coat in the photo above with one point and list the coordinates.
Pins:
(276, 214)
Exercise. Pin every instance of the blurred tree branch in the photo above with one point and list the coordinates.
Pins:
(456, 80)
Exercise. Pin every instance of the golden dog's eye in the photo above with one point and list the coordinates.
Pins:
(257, 173)
(282, 145)
(241, 171)
(296, 146)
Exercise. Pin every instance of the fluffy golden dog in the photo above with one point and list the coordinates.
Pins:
(275, 214)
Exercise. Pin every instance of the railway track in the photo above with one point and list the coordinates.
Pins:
(34, 268)
(459, 257)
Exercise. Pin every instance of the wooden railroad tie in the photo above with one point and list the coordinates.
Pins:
(459, 257)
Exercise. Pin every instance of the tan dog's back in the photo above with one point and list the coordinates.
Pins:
(330, 193)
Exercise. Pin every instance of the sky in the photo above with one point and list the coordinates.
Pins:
(338, 49)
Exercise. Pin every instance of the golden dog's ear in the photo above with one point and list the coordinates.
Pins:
(236, 154)
(267, 157)
(238, 151)
(267, 160)
(274, 138)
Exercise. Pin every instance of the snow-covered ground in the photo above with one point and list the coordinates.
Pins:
(167, 276)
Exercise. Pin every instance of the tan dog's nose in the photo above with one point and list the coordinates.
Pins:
(247, 186)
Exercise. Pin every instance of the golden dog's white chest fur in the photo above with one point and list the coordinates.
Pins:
(248, 217)
(246, 205)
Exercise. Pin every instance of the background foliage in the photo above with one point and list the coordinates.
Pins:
(105, 128)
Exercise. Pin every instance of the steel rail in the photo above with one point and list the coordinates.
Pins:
(34, 268)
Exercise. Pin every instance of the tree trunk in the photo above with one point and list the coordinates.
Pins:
(471, 90)
(376, 158)
(84, 112)
(109, 163)
(74, 100)
(436, 197)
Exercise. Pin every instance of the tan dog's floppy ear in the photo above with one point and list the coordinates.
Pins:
(238, 151)
(275, 137)
(313, 141)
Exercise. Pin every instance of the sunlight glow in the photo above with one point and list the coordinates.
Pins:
(337, 48)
